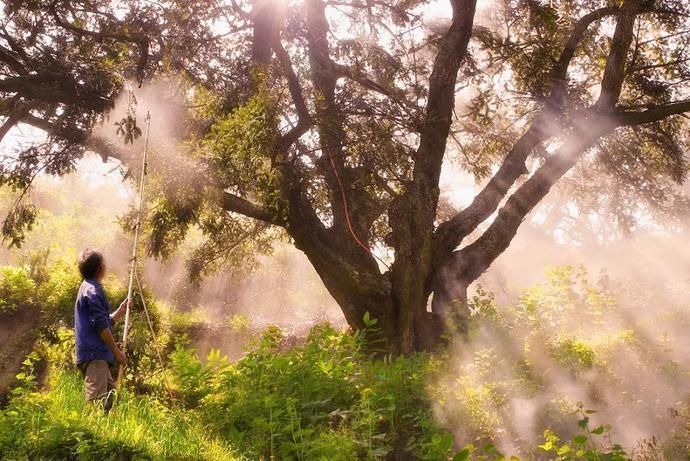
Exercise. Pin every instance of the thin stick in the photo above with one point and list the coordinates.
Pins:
(135, 248)
(153, 335)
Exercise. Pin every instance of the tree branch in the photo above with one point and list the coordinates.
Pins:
(439, 108)
(95, 144)
(350, 207)
(119, 36)
(576, 35)
(366, 82)
(14, 116)
(559, 73)
(652, 114)
(470, 262)
(37, 122)
(142, 40)
(304, 118)
(614, 73)
(412, 214)
(10, 59)
(236, 204)
(53, 88)
(450, 233)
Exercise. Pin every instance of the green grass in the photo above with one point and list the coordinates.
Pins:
(324, 398)
(59, 425)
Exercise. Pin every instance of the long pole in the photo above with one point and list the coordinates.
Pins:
(153, 336)
(135, 248)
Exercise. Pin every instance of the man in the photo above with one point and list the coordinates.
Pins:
(97, 351)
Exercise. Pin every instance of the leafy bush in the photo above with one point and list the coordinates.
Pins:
(589, 444)
(323, 399)
(52, 286)
(57, 292)
(17, 289)
(525, 367)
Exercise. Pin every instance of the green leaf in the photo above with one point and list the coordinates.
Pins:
(564, 450)
(599, 430)
(547, 446)
(446, 442)
(583, 422)
(580, 439)
(462, 455)
(369, 320)
(489, 447)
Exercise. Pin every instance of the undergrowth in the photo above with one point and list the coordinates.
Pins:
(323, 397)
(59, 425)
(321, 400)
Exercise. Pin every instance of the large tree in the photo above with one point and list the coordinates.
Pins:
(331, 120)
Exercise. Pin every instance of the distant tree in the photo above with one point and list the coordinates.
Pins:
(331, 120)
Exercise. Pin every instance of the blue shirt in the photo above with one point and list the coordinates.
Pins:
(91, 316)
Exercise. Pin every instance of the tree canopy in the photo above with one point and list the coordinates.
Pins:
(329, 122)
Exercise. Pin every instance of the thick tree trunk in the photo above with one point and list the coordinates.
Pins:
(449, 303)
(404, 325)
(408, 275)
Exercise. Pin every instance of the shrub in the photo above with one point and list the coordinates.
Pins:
(323, 399)
(590, 444)
(57, 292)
(17, 289)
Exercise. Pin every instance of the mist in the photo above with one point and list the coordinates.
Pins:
(642, 390)
(646, 275)
(616, 300)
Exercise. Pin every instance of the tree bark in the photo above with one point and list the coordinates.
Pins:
(412, 215)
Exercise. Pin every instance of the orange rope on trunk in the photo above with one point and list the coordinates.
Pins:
(347, 213)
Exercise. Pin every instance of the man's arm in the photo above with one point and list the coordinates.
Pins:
(107, 336)
(97, 308)
(120, 310)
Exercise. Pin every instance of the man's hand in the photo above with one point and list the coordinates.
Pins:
(120, 357)
(107, 337)
(124, 305)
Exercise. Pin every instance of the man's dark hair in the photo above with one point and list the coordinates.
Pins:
(90, 262)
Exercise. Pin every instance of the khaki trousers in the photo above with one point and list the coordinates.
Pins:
(98, 382)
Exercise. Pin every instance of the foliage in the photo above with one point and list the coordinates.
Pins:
(323, 397)
(591, 444)
(26, 378)
(235, 156)
(58, 291)
(239, 147)
(17, 289)
(127, 126)
(51, 287)
(59, 425)
(319, 400)
(525, 366)
(19, 220)
(322, 400)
